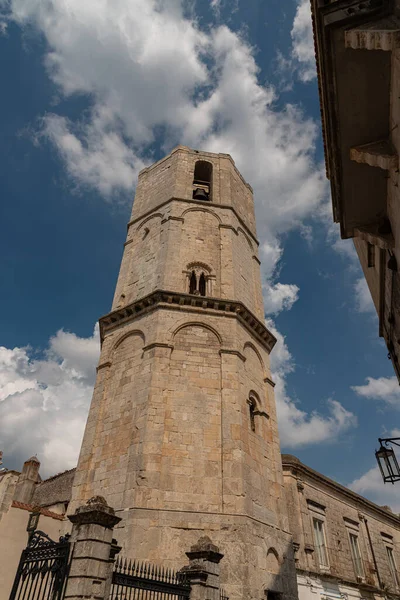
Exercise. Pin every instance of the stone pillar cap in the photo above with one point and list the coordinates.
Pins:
(95, 511)
(205, 549)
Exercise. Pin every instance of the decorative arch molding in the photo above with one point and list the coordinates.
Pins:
(199, 265)
(197, 324)
(272, 554)
(153, 216)
(240, 230)
(254, 398)
(124, 336)
(257, 352)
(204, 210)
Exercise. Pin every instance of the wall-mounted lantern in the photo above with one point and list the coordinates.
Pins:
(387, 460)
(33, 522)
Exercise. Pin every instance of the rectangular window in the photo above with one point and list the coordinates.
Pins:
(356, 555)
(392, 565)
(320, 542)
(371, 254)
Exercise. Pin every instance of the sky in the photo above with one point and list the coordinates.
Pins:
(94, 91)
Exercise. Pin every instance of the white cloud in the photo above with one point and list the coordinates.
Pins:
(44, 403)
(144, 64)
(362, 296)
(371, 485)
(297, 427)
(384, 389)
(303, 54)
(98, 158)
(279, 297)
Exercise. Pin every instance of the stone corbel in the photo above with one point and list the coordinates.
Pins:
(376, 154)
(309, 549)
(369, 233)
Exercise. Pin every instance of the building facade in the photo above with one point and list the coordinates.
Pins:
(345, 546)
(358, 63)
(182, 437)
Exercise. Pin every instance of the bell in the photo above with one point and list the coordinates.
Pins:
(200, 194)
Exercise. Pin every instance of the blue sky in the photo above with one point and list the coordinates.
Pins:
(95, 91)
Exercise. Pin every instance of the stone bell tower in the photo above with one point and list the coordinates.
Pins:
(182, 436)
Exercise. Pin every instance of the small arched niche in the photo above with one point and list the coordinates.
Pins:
(202, 180)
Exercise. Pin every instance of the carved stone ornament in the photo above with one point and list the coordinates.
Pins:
(205, 549)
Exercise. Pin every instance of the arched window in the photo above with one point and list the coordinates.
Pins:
(255, 411)
(193, 283)
(202, 180)
(199, 279)
(202, 285)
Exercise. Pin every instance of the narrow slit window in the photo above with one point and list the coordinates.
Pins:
(193, 283)
(252, 415)
(202, 285)
(371, 254)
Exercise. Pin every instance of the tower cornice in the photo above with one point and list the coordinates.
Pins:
(160, 299)
(197, 203)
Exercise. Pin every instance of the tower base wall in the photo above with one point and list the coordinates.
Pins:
(258, 558)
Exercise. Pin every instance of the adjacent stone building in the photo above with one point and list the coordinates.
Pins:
(358, 62)
(345, 546)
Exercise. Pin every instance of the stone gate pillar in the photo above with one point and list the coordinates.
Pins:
(93, 551)
(203, 570)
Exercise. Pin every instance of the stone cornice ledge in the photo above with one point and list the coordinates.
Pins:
(161, 298)
(290, 462)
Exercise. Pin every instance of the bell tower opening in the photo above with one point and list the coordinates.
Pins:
(202, 180)
(202, 285)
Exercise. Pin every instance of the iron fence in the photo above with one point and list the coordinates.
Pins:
(133, 580)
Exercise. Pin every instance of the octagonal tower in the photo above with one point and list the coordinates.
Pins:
(182, 436)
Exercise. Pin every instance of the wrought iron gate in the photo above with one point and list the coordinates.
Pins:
(141, 581)
(42, 569)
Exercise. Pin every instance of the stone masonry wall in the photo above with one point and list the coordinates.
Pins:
(163, 247)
